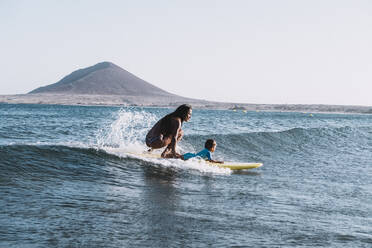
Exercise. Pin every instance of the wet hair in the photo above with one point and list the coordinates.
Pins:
(209, 144)
(181, 112)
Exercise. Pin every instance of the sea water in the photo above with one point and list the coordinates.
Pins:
(67, 179)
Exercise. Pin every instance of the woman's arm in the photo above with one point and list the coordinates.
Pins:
(175, 129)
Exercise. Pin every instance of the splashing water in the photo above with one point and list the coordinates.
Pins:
(127, 132)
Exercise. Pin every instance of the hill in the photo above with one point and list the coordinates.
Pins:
(103, 78)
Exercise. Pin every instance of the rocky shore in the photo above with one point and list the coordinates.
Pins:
(169, 101)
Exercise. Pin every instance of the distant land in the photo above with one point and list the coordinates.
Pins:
(103, 78)
(108, 84)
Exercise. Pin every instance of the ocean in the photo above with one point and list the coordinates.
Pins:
(67, 179)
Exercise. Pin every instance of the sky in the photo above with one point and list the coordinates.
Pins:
(248, 51)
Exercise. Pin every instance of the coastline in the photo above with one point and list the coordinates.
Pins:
(161, 101)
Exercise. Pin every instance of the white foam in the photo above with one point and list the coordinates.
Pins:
(193, 165)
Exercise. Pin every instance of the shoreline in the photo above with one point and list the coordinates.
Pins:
(169, 102)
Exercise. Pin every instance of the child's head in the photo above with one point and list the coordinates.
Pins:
(210, 144)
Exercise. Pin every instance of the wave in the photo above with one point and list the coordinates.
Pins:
(294, 134)
(256, 145)
(42, 161)
(20, 163)
(89, 162)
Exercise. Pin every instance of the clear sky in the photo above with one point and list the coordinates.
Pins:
(266, 51)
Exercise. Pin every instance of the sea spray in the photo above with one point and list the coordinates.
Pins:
(127, 131)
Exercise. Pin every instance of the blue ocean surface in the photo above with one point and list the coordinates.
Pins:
(68, 179)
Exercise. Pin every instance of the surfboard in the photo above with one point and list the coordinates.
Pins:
(236, 165)
(226, 164)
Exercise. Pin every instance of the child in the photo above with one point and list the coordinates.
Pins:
(210, 146)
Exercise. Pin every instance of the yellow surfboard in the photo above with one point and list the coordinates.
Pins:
(236, 165)
(226, 164)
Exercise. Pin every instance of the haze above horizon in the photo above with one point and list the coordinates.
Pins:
(295, 52)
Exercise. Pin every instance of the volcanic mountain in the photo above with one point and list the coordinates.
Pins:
(104, 78)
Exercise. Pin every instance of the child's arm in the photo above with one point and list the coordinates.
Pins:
(209, 158)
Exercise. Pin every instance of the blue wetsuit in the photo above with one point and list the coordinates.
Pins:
(204, 154)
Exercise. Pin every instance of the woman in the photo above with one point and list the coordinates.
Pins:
(167, 131)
